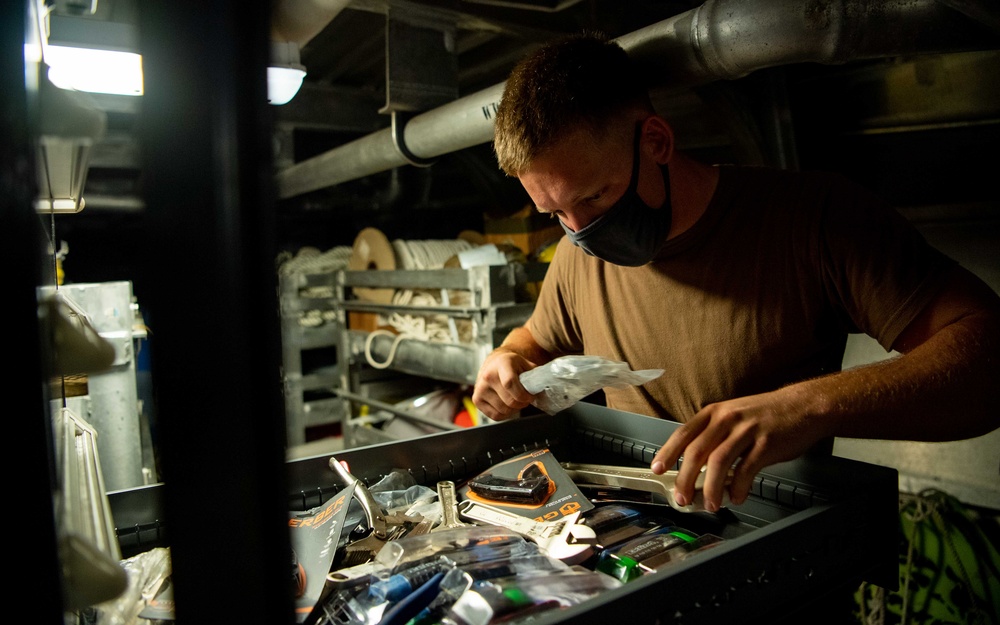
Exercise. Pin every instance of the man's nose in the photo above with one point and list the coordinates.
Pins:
(574, 222)
(568, 222)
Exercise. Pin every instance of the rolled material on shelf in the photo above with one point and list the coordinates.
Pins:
(372, 250)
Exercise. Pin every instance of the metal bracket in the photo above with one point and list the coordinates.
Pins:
(399, 120)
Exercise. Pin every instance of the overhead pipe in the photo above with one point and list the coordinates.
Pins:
(454, 126)
(729, 39)
(719, 40)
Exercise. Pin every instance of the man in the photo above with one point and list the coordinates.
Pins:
(741, 283)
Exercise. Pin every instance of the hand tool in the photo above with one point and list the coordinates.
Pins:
(564, 539)
(382, 527)
(640, 479)
(449, 507)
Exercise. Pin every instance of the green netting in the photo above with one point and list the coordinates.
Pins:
(949, 566)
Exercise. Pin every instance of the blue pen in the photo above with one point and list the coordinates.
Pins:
(399, 585)
(413, 603)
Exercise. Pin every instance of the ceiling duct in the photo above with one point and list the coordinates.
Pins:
(719, 40)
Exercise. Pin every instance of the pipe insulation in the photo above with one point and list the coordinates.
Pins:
(718, 40)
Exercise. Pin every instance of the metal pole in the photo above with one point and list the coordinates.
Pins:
(22, 247)
(213, 308)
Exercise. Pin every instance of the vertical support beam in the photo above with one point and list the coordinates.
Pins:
(212, 302)
(421, 67)
(22, 249)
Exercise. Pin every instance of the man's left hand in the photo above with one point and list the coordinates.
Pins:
(745, 434)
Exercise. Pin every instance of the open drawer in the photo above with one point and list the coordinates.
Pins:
(810, 526)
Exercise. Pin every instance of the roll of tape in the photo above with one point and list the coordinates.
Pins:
(473, 237)
(372, 250)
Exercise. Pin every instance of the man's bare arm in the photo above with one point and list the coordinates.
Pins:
(941, 388)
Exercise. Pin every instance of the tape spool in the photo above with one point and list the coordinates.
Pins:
(372, 250)
(473, 237)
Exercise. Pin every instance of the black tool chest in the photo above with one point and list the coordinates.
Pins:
(810, 526)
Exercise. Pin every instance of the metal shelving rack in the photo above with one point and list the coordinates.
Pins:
(308, 401)
(498, 300)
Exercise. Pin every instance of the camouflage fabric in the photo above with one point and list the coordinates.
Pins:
(949, 566)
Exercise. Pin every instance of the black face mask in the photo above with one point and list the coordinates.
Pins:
(631, 232)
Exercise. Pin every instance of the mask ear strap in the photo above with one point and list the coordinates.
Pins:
(634, 180)
(665, 171)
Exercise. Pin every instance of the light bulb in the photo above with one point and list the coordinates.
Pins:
(283, 83)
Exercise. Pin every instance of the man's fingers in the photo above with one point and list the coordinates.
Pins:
(499, 401)
(744, 473)
(697, 455)
(721, 462)
(670, 453)
(710, 449)
(489, 402)
(511, 391)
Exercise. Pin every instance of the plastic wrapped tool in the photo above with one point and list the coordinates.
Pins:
(562, 382)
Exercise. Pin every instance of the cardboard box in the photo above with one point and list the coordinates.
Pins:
(527, 229)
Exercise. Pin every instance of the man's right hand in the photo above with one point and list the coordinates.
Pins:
(498, 393)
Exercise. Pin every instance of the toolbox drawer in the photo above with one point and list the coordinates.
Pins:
(810, 525)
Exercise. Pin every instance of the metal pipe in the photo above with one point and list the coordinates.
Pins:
(729, 39)
(454, 126)
(719, 40)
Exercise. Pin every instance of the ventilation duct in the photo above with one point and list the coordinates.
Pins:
(719, 40)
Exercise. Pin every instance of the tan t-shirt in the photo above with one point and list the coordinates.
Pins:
(761, 292)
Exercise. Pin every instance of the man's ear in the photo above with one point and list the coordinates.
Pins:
(658, 138)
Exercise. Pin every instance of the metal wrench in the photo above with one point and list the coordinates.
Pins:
(640, 479)
(383, 527)
(564, 539)
(449, 507)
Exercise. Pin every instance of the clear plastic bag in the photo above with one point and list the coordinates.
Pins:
(566, 380)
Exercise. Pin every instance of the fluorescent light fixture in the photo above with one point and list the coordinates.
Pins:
(120, 73)
(95, 71)
(285, 73)
(99, 57)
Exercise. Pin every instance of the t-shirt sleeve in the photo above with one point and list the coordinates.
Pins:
(878, 269)
(553, 323)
